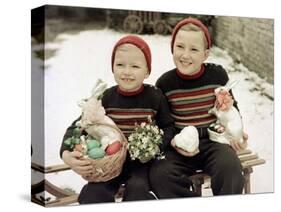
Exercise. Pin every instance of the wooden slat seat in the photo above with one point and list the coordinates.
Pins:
(49, 169)
(63, 197)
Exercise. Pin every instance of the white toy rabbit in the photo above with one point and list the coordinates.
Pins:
(227, 115)
(94, 120)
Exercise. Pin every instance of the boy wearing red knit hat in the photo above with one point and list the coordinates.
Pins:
(128, 103)
(189, 89)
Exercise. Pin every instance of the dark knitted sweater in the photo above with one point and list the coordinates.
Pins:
(126, 111)
(191, 97)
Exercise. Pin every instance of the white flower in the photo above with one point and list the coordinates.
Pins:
(155, 130)
(143, 124)
(145, 140)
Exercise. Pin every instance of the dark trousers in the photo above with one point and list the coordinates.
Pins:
(169, 177)
(135, 178)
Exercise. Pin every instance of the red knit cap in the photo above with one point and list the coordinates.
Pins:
(138, 42)
(191, 21)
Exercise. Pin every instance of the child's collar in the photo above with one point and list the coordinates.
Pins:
(128, 93)
(192, 76)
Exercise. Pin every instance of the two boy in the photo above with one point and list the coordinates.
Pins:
(189, 89)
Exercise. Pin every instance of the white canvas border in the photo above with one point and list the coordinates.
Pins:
(15, 86)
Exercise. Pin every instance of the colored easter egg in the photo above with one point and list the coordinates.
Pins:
(78, 147)
(96, 153)
(92, 144)
(113, 148)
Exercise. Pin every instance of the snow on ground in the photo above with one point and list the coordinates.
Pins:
(82, 58)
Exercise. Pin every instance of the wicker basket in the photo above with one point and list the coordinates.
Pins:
(110, 166)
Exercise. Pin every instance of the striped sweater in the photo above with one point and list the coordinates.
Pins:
(127, 111)
(190, 98)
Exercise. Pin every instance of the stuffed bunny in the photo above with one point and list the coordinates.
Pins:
(227, 115)
(94, 120)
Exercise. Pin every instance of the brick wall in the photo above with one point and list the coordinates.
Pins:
(249, 40)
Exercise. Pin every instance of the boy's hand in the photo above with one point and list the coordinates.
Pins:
(237, 146)
(183, 152)
(77, 163)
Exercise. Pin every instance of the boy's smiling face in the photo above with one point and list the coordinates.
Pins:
(189, 51)
(129, 68)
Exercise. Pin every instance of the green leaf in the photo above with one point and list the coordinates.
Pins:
(76, 140)
(76, 132)
(68, 141)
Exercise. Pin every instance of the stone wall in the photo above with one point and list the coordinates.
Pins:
(248, 40)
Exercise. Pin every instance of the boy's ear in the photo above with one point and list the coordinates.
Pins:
(207, 51)
(147, 75)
